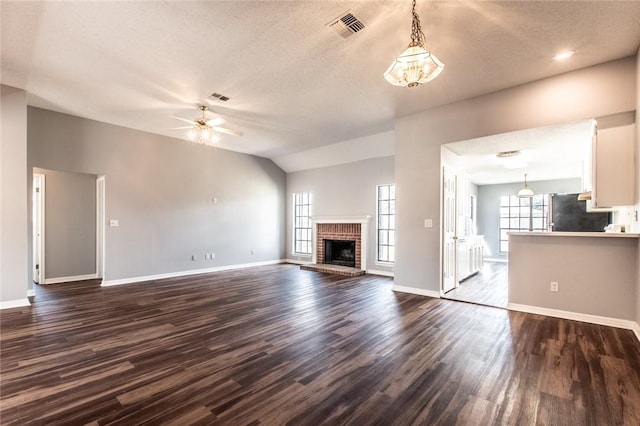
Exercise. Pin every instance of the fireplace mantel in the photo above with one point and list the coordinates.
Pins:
(364, 234)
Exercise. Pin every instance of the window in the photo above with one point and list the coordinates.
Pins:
(386, 223)
(522, 214)
(302, 223)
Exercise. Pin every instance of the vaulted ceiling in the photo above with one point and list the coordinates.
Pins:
(293, 83)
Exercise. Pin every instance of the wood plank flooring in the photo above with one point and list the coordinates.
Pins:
(279, 345)
(488, 287)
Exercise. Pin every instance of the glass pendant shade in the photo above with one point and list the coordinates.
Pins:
(525, 192)
(414, 66)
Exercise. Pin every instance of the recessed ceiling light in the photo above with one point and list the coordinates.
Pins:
(564, 55)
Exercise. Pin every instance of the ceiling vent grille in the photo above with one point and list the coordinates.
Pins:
(346, 24)
(220, 97)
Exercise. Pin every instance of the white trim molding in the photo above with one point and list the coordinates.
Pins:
(380, 272)
(418, 291)
(19, 303)
(576, 316)
(70, 279)
(31, 293)
(364, 234)
(132, 280)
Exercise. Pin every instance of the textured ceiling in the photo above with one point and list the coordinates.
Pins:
(294, 84)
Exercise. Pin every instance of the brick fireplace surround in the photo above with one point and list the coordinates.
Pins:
(341, 228)
(339, 231)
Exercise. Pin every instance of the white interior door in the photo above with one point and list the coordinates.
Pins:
(449, 193)
(38, 228)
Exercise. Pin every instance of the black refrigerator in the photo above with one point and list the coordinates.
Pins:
(568, 214)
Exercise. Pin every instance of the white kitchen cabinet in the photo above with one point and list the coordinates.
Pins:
(612, 167)
(470, 253)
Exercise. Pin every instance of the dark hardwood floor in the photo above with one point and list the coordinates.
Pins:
(278, 345)
(488, 287)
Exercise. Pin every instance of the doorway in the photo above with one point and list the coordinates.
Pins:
(68, 226)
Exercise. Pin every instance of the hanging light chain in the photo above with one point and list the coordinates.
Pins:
(417, 36)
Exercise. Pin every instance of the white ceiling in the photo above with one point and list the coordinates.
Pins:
(294, 84)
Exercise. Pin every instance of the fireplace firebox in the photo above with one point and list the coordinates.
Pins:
(340, 252)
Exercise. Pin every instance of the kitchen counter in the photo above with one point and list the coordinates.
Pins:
(578, 234)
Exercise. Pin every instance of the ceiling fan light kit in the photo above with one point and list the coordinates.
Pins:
(416, 65)
(206, 131)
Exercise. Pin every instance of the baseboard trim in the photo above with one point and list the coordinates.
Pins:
(69, 279)
(132, 280)
(19, 303)
(31, 293)
(576, 316)
(418, 291)
(379, 272)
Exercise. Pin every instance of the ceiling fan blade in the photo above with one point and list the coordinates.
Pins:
(228, 131)
(181, 128)
(184, 119)
(216, 121)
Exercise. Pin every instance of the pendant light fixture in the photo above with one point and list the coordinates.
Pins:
(526, 192)
(416, 65)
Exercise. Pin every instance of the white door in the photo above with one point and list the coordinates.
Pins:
(38, 228)
(449, 230)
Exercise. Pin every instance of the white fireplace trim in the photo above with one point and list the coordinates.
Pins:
(364, 234)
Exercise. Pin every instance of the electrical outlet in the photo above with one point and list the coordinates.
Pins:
(212, 256)
(554, 286)
(206, 256)
(194, 257)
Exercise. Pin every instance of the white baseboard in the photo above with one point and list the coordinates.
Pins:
(496, 259)
(131, 280)
(69, 279)
(576, 316)
(31, 293)
(418, 291)
(19, 303)
(379, 272)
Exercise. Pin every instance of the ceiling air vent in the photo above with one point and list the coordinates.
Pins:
(220, 97)
(346, 24)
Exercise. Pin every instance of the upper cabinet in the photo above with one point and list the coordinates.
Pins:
(610, 169)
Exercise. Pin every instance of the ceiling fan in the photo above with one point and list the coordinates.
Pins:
(205, 130)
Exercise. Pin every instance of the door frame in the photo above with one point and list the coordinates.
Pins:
(38, 227)
(100, 226)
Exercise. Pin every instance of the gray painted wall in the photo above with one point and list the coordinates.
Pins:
(595, 275)
(344, 190)
(591, 92)
(489, 207)
(14, 265)
(161, 191)
(70, 223)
